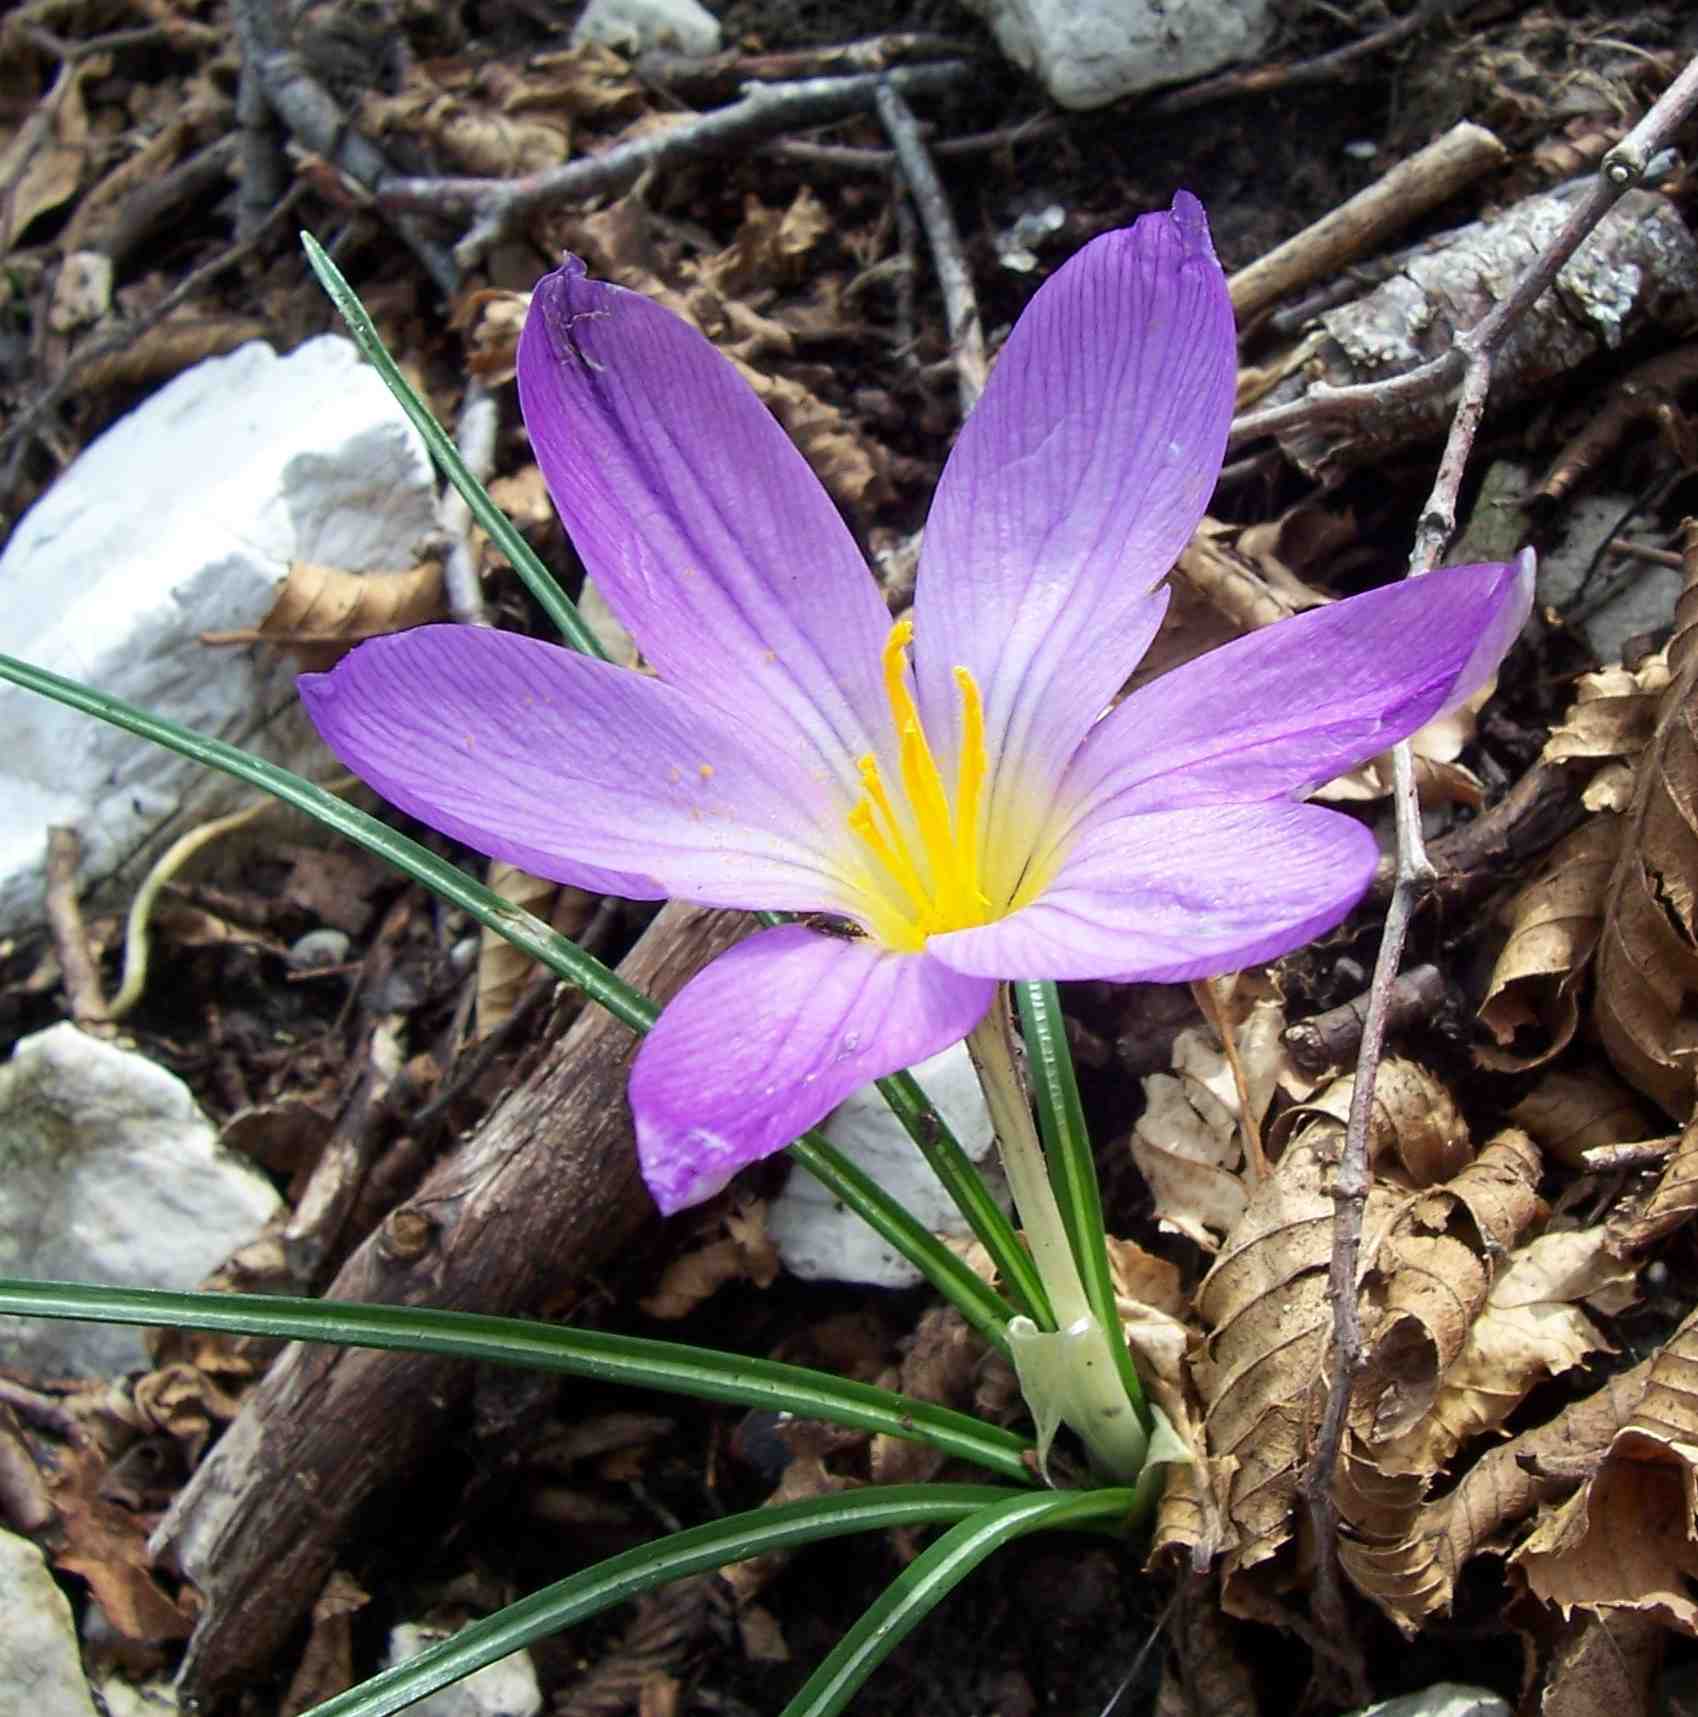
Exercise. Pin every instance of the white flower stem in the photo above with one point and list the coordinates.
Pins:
(1092, 1401)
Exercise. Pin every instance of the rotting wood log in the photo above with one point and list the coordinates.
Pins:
(542, 1194)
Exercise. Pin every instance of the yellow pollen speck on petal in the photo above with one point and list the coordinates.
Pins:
(705, 770)
(919, 845)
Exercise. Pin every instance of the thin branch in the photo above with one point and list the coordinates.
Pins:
(70, 935)
(496, 206)
(960, 304)
(480, 418)
(1473, 354)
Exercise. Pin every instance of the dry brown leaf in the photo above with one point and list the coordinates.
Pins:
(1628, 1539)
(43, 165)
(1529, 1329)
(1554, 927)
(504, 970)
(1672, 1202)
(476, 123)
(743, 1253)
(1605, 1666)
(321, 612)
(168, 348)
(1568, 1114)
(1386, 1557)
(1646, 1009)
(1186, 1143)
(1613, 716)
(1508, 1481)
(589, 81)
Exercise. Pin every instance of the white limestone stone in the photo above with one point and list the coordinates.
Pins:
(183, 518)
(819, 1240)
(1087, 53)
(506, 1688)
(633, 27)
(41, 1671)
(109, 1173)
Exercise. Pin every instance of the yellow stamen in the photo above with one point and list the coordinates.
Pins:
(926, 867)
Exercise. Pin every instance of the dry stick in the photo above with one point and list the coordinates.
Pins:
(960, 306)
(849, 158)
(495, 206)
(480, 417)
(1473, 352)
(1429, 177)
(70, 936)
(16, 437)
(721, 75)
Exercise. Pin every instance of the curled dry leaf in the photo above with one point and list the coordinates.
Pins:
(321, 612)
(481, 121)
(1604, 1666)
(1511, 1479)
(1613, 716)
(1628, 1539)
(1532, 1003)
(1569, 1114)
(1646, 1009)
(1670, 1205)
(45, 158)
(743, 1253)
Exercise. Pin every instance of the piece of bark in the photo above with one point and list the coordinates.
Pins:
(1637, 272)
(542, 1194)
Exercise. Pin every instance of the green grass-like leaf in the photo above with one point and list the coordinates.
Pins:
(669, 1367)
(783, 1526)
(934, 1574)
(537, 579)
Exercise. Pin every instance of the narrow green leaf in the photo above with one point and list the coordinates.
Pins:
(783, 1526)
(1072, 1166)
(670, 1367)
(963, 1182)
(529, 934)
(979, 1303)
(537, 579)
(934, 1574)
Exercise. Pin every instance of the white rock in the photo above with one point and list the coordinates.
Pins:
(181, 519)
(1090, 52)
(633, 27)
(41, 1672)
(819, 1240)
(1442, 1699)
(109, 1173)
(156, 1698)
(506, 1688)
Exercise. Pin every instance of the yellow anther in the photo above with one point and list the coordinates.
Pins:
(926, 865)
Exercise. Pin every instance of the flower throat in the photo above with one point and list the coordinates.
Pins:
(927, 867)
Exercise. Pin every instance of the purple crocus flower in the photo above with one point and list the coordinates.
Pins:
(948, 785)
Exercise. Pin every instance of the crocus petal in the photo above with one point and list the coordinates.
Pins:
(772, 1036)
(574, 769)
(701, 524)
(1283, 709)
(1179, 894)
(1074, 485)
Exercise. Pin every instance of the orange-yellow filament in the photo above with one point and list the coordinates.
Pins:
(926, 855)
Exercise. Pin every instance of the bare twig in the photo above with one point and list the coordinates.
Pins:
(1330, 1039)
(496, 206)
(848, 158)
(1429, 177)
(1324, 68)
(721, 76)
(1648, 391)
(960, 305)
(1473, 354)
(70, 937)
(480, 417)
